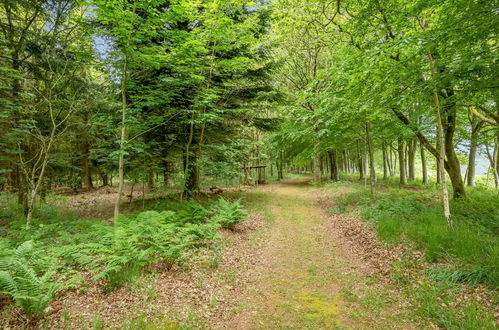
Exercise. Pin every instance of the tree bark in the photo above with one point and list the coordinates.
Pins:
(372, 170)
(346, 165)
(494, 160)
(105, 179)
(191, 174)
(401, 153)
(442, 141)
(476, 125)
(423, 165)
(385, 161)
(280, 167)
(360, 158)
(452, 163)
(333, 165)
(411, 159)
(85, 164)
(121, 161)
(150, 179)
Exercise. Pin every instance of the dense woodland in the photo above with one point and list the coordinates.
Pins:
(185, 98)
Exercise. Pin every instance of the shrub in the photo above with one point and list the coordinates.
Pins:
(227, 214)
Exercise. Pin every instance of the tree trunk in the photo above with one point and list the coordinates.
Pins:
(442, 141)
(361, 163)
(321, 164)
(436, 159)
(105, 179)
(411, 159)
(494, 160)
(346, 165)
(385, 161)
(391, 161)
(372, 170)
(452, 163)
(453, 167)
(423, 164)
(401, 153)
(121, 161)
(150, 180)
(85, 164)
(317, 169)
(191, 174)
(476, 125)
(280, 167)
(333, 165)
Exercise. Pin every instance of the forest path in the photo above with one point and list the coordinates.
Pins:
(309, 276)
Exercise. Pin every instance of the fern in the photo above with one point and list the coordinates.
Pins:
(227, 214)
(20, 280)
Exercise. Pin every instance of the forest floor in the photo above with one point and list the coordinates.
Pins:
(312, 275)
(291, 265)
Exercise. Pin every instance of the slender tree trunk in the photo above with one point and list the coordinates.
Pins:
(443, 148)
(121, 161)
(333, 164)
(35, 179)
(361, 162)
(191, 180)
(279, 166)
(436, 160)
(423, 164)
(385, 161)
(411, 159)
(494, 160)
(391, 161)
(372, 170)
(150, 179)
(495, 163)
(105, 179)
(453, 167)
(346, 161)
(317, 169)
(85, 164)
(400, 145)
(476, 125)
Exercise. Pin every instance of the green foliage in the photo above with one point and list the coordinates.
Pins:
(227, 214)
(27, 277)
(114, 253)
(434, 300)
(470, 245)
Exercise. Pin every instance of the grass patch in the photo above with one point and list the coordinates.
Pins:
(462, 257)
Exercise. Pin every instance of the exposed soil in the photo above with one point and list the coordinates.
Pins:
(99, 202)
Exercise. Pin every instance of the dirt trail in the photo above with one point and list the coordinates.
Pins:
(309, 275)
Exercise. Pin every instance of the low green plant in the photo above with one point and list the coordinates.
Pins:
(462, 256)
(26, 279)
(115, 253)
(404, 215)
(227, 214)
(150, 237)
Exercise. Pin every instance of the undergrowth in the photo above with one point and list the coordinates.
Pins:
(37, 261)
(462, 256)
